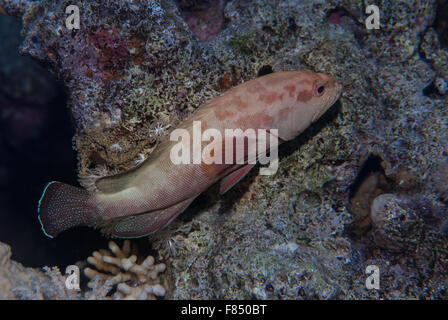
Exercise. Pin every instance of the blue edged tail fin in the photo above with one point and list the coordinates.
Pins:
(63, 206)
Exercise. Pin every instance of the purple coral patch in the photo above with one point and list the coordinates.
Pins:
(205, 18)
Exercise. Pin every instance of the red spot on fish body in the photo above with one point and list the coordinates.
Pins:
(223, 113)
(285, 112)
(269, 97)
(258, 120)
(336, 15)
(235, 100)
(254, 87)
(240, 104)
(304, 96)
(290, 89)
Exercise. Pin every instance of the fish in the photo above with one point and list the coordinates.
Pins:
(147, 198)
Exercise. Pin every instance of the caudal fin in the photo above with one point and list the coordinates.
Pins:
(63, 206)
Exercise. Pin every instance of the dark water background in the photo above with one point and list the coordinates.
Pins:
(35, 147)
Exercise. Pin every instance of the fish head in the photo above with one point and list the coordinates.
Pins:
(326, 91)
(310, 95)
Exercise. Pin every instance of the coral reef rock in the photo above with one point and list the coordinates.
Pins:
(395, 217)
(135, 69)
(15, 279)
(117, 275)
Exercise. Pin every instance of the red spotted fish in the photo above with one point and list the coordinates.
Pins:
(146, 198)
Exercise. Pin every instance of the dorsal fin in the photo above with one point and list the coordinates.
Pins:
(116, 182)
(121, 180)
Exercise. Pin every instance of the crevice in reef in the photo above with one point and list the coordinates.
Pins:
(334, 16)
(348, 20)
(30, 162)
(441, 22)
(431, 91)
(35, 147)
(370, 182)
(204, 17)
(264, 70)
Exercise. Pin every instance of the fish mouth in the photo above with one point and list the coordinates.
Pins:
(336, 97)
(339, 88)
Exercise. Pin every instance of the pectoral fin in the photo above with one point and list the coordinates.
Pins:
(147, 223)
(233, 178)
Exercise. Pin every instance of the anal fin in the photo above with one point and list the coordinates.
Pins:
(142, 225)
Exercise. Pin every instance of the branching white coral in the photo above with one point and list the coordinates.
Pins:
(141, 159)
(116, 148)
(119, 267)
(89, 177)
(159, 130)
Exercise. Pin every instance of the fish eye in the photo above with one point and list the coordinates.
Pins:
(319, 89)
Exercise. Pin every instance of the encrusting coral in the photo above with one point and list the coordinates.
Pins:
(57, 290)
(17, 281)
(119, 266)
(118, 274)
